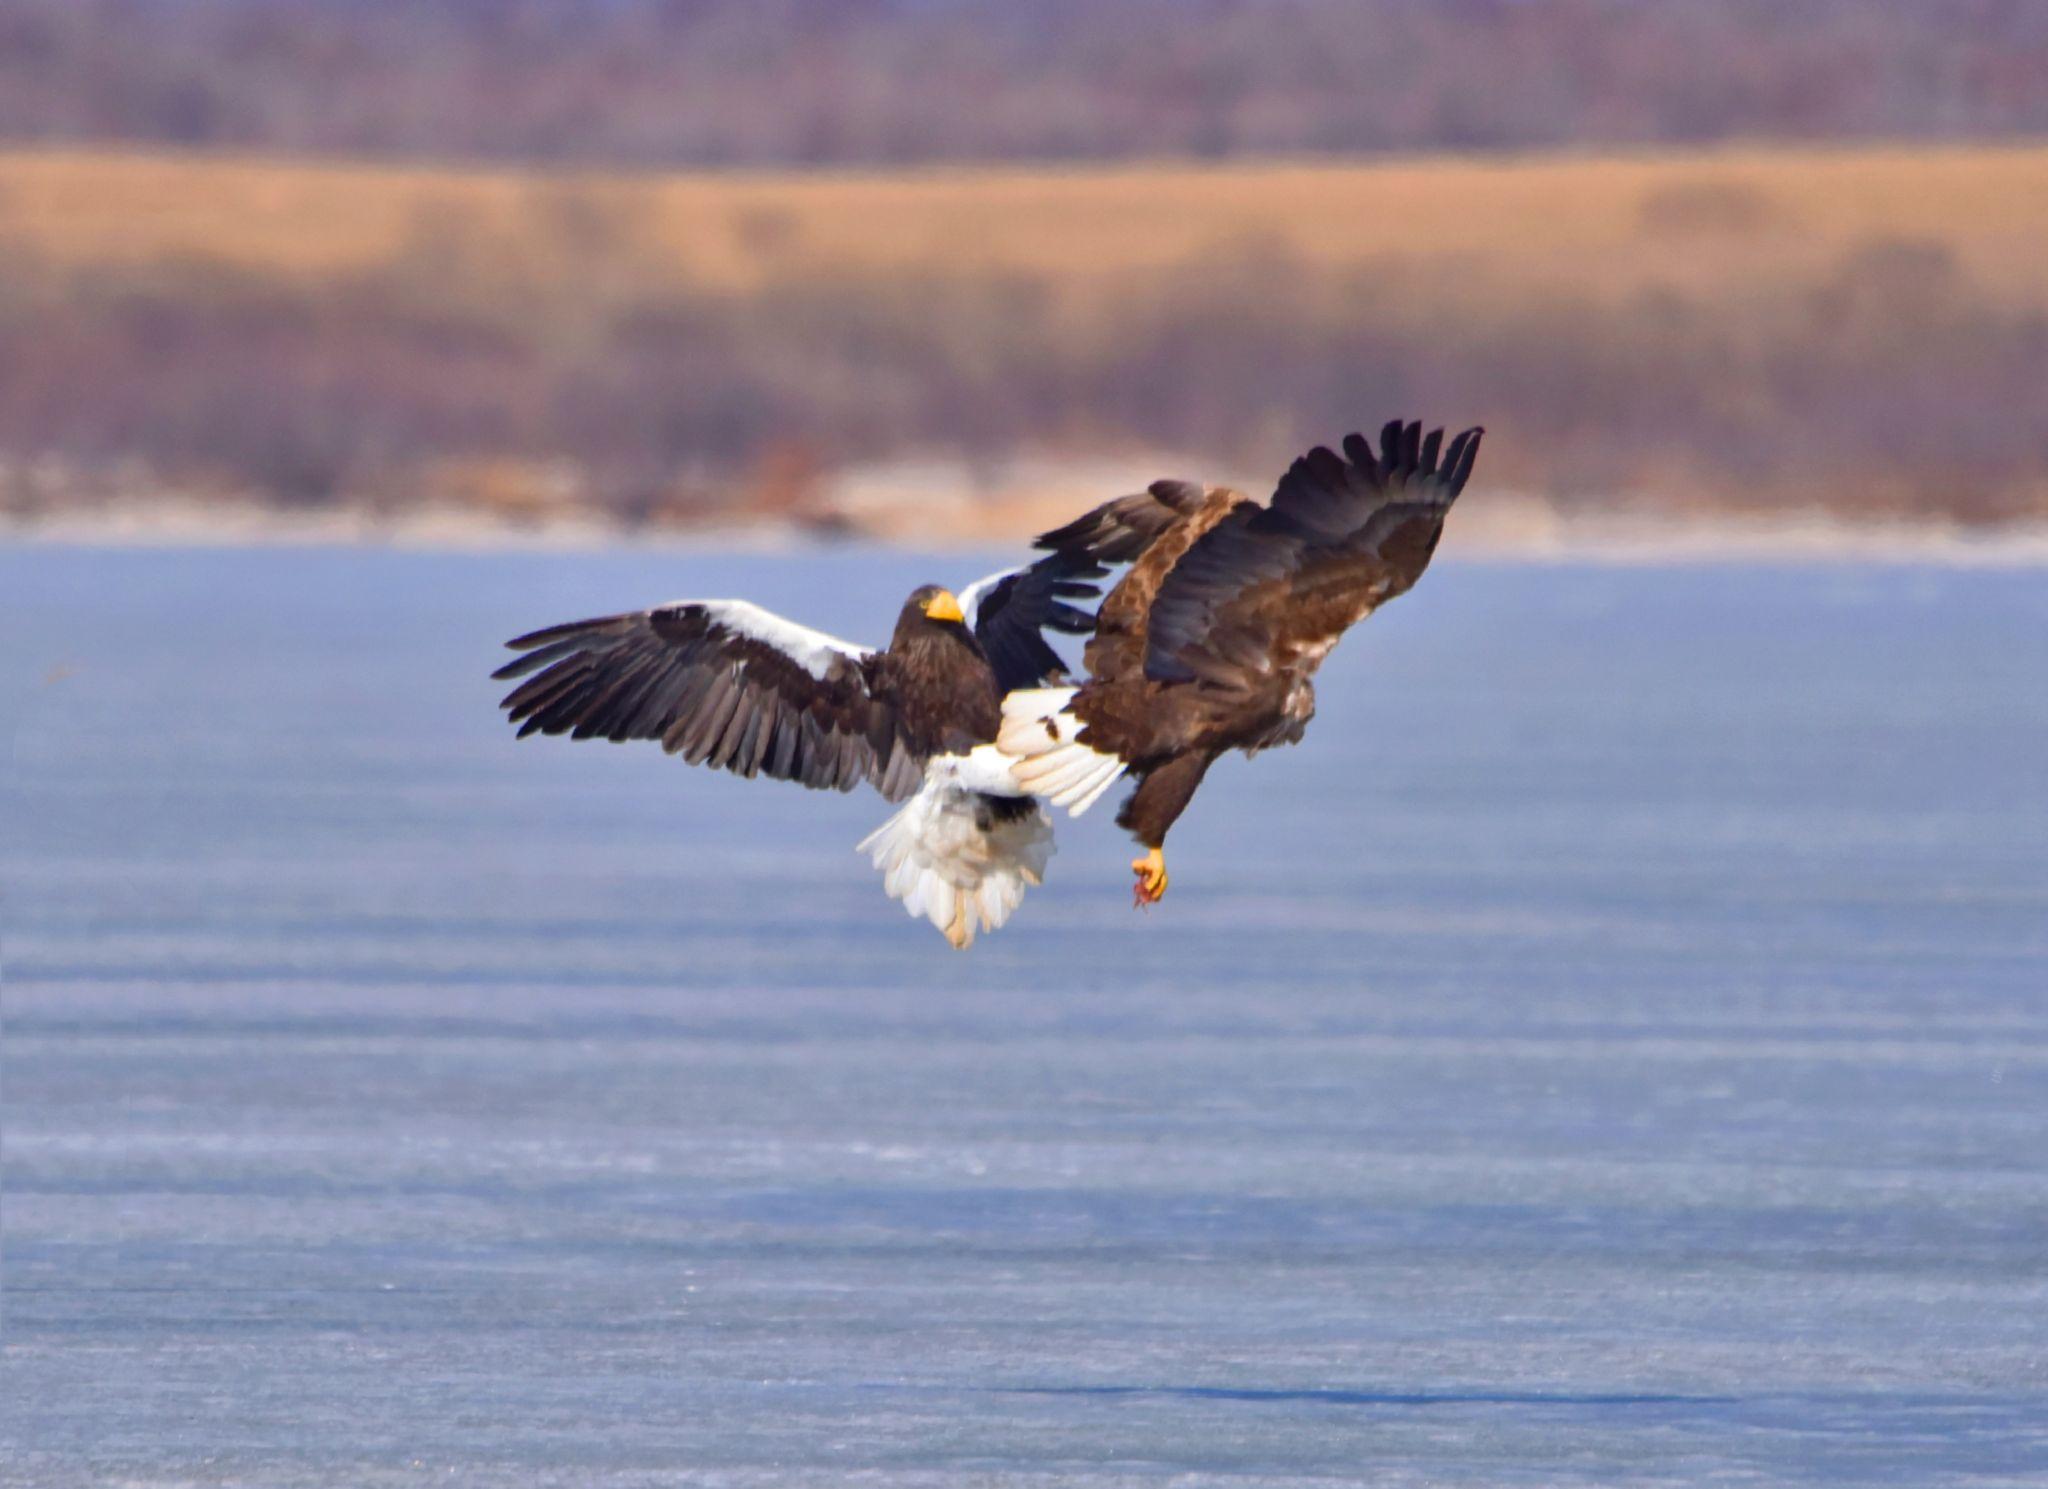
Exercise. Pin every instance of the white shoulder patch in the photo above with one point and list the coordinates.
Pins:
(811, 650)
(972, 596)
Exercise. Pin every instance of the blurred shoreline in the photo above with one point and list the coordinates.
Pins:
(1502, 528)
(1722, 334)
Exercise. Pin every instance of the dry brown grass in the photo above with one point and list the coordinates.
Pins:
(1864, 330)
(1599, 228)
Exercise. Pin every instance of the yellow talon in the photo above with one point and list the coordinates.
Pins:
(1151, 886)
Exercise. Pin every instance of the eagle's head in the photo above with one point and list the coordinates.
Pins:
(931, 611)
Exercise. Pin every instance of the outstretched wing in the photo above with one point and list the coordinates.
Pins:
(1272, 588)
(1009, 611)
(1119, 531)
(1151, 532)
(722, 683)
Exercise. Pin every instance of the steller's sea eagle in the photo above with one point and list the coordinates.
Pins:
(1209, 643)
(728, 684)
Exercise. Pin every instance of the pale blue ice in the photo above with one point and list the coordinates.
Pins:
(1613, 1049)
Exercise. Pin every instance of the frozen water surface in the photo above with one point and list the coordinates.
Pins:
(1613, 1049)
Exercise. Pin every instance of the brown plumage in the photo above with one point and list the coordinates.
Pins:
(1210, 641)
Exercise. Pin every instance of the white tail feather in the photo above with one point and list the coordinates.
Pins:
(1043, 737)
(950, 860)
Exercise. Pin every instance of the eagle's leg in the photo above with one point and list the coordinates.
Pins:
(1153, 808)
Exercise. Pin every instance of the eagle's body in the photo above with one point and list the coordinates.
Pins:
(727, 684)
(1211, 641)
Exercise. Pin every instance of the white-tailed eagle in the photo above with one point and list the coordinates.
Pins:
(1210, 640)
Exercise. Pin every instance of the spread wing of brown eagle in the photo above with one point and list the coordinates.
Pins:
(728, 684)
(1210, 640)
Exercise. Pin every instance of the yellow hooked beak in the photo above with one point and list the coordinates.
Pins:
(944, 606)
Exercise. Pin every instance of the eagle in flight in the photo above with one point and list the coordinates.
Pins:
(968, 718)
(1210, 640)
(728, 684)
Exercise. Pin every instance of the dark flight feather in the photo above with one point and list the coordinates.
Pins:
(1341, 535)
(1118, 531)
(695, 677)
(1010, 613)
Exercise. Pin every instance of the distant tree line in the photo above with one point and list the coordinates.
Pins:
(854, 82)
(1886, 384)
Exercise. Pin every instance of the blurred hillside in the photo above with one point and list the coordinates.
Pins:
(1861, 332)
(544, 334)
(888, 82)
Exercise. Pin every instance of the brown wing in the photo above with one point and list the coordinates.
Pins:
(722, 683)
(1271, 588)
(1118, 531)
(1150, 531)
